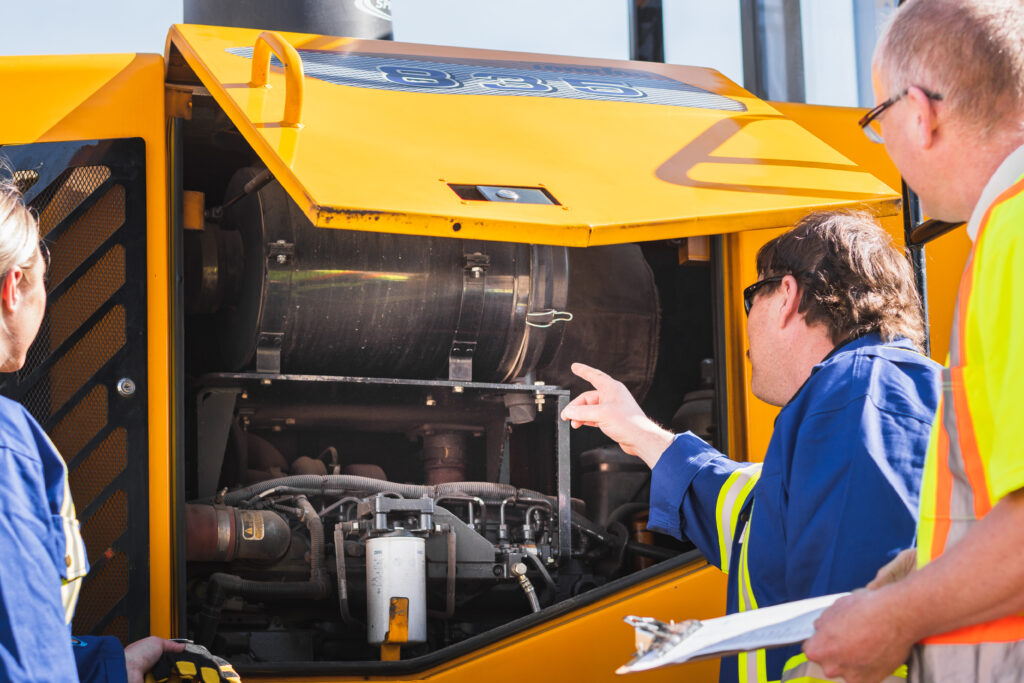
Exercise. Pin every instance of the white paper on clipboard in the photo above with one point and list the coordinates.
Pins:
(785, 624)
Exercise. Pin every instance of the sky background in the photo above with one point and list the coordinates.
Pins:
(42, 27)
(46, 27)
(838, 35)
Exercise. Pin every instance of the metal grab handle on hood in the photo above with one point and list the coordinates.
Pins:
(295, 83)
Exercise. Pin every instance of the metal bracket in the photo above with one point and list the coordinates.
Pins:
(471, 312)
(274, 318)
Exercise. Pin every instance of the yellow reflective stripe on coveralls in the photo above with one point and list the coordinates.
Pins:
(752, 666)
(731, 498)
(75, 559)
(799, 670)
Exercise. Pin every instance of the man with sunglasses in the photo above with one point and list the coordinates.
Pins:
(834, 327)
(950, 78)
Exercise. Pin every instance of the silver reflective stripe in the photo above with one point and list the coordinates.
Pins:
(799, 670)
(961, 503)
(731, 498)
(750, 665)
(961, 497)
(983, 662)
(954, 338)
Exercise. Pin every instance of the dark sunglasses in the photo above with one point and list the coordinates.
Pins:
(750, 292)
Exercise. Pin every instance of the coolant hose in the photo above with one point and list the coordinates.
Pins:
(318, 484)
(548, 581)
(222, 584)
(339, 559)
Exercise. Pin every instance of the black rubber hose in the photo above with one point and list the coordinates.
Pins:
(221, 584)
(548, 581)
(271, 590)
(339, 558)
(652, 551)
(316, 539)
(316, 484)
(623, 510)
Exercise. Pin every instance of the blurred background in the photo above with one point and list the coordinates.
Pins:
(814, 51)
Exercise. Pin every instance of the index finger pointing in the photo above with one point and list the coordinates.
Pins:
(592, 375)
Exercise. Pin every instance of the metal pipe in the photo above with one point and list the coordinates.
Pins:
(338, 503)
(313, 484)
(548, 581)
(531, 593)
(449, 592)
(469, 417)
(316, 588)
(469, 499)
(449, 604)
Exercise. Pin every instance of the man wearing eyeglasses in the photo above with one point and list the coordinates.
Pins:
(950, 78)
(834, 324)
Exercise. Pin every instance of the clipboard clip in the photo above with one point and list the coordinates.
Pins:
(654, 635)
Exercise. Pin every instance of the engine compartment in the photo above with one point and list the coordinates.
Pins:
(374, 472)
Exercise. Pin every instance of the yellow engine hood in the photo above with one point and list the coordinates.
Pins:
(627, 151)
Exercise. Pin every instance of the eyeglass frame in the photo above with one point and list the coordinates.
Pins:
(866, 120)
(750, 292)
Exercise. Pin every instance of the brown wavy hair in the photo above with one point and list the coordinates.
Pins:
(853, 279)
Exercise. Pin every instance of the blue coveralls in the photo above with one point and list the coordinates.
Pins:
(835, 498)
(42, 561)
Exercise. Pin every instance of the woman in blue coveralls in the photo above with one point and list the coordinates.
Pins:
(835, 328)
(42, 558)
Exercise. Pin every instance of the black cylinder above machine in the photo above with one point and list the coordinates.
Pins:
(347, 302)
(282, 295)
(349, 18)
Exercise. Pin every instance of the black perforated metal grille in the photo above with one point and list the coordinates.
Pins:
(90, 201)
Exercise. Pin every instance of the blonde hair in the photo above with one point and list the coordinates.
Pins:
(19, 230)
(969, 51)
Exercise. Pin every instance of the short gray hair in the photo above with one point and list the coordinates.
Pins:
(19, 230)
(969, 51)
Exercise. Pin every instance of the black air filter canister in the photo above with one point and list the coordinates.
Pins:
(344, 302)
(614, 301)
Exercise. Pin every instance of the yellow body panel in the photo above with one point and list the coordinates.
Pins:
(592, 639)
(621, 171)
(944, 257)
(116, 96)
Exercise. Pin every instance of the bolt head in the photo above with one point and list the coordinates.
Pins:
(126, 387)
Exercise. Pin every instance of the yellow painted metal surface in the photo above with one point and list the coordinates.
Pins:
(751, 419)
(53, 99)
(591, 640)
(944, 257)
(380, 159)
